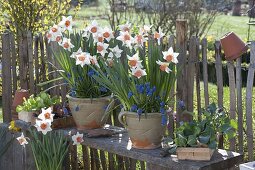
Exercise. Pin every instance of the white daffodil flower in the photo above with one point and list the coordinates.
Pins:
(102, 48)
(116, 51)
(134, 61)
(77, 138)
(138, 72)
(158, 35)
(170, 55)
(66, 23)
(163, 66)
(66, 44)
(43, 126)
(46, 114)
(22, 140)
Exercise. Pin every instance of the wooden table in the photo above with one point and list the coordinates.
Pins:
(121, 145)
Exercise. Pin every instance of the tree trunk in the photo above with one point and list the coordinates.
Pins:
(251, 12)
(236, 11)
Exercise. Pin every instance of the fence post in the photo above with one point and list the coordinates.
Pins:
(249, 88)
(232, 97)
(239, 103)
(31, 63)
(181, 46)
(6, 77)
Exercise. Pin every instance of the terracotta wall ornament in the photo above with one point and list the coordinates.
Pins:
(233, 46)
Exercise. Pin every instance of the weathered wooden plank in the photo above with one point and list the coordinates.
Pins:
(23, 60)
(6, 77)
(85, 156)
(103, 160)
(14, 64)
(111, 164)
(191, 73)
(221, 159)
(181, 39)
(42, 59)
(232, 97)
(127, 163)
(92, 160)
(30, 62)
(133, 163)
(142, 164)
(36, 60)
(170, 116)
(197, 68)
(74, 158)
(67, 160)
(218, 66)
(96, 158)
(249, 87)
(239, 104)
(205, 71)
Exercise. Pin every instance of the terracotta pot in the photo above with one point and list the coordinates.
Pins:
(88, 113)
(18, 97)
(233, 46)
(145, 133)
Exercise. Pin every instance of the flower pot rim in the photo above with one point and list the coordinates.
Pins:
(88, 99)
(142, 116)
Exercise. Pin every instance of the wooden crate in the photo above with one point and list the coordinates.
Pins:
(198, 154)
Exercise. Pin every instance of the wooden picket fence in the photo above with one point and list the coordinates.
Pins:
(33, 64)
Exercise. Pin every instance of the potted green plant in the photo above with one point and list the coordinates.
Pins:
(141, 79)
(197, 140)
(49, 147)
(88, 100)
(33, 105)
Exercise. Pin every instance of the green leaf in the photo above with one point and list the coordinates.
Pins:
(49, 81)
(212, 145)
(192, 140)
(197, 130)
(182, 141)
(230, 134)
(233, 124)
(204, 139)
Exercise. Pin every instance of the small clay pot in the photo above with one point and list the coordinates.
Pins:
(18, 97)
(233, 46)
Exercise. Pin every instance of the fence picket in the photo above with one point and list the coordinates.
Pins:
(205, 71)
(14, 64)
(249, 88)
(197, 68)
(6, 75)
(30, 63)
(36, 55)
(232, 88)
(191, 73)
(239, 103)
(171, 117)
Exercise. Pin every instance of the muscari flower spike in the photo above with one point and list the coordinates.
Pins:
(133, 108)
(130, 94)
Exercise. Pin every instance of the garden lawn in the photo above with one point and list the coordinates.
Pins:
(222, 24)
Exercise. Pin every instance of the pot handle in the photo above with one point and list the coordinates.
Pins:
(120, 117)
(108, 110)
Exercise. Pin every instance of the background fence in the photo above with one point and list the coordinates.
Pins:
(28, 60)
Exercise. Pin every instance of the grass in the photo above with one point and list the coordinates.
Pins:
(222, 24)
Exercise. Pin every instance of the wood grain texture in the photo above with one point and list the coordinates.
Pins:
(14, 64)
(218, 66)
(86, 158)
(232, 97)
(249, 116)
(6, 77)
(181, 45)
(239, 104)
(205, 71)
(30, 63)
(197, 73)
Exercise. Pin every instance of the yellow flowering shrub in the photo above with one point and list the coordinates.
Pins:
(33, 15)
